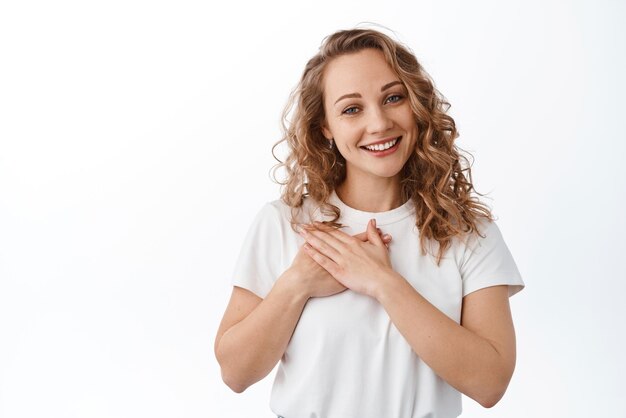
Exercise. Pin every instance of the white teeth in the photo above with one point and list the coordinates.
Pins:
(382, 147)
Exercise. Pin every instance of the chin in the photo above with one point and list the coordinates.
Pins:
(388, 173)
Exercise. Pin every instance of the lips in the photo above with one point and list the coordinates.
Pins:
(388, 144)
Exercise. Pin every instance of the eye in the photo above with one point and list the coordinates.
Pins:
(350, 110)
(394, 98)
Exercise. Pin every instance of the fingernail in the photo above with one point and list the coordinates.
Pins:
(387, 236)
(374, 222)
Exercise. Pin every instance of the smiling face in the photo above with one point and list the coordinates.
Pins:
(369, 116)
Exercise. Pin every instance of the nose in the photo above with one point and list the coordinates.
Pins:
(378, 121)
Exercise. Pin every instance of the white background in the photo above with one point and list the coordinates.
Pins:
(135, 143)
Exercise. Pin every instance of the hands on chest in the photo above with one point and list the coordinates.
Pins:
(331, 260)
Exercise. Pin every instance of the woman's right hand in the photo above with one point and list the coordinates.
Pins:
(313, 279)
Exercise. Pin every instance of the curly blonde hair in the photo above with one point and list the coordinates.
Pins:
(433, 177)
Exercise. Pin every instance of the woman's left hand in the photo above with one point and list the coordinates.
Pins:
(359, 265)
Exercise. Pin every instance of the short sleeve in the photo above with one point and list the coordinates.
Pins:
(260, 255)
(488, 262)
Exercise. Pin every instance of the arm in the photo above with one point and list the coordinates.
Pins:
(477, 357)
(254, 332)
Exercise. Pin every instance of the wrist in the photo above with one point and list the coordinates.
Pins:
(290, 283)
(390, 281)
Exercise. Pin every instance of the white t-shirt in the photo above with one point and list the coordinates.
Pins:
(346, 358)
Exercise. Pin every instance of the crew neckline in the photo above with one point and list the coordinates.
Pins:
(382, 218)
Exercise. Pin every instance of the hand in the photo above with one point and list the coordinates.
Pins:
(357, 264)
(314, 279)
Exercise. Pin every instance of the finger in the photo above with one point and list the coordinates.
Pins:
(363, 235)
(331, 236)
(385, 237)
(343, 237)
(372, 235)
(322, 242)
(326, 263)
(337, 234)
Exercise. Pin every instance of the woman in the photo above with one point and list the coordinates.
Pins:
(379, 283)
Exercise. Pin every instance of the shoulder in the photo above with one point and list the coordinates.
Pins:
(478, 243)
(487, 261)
(486, 233)
(276, 208)
(309, 211)
(280, 215)
(273, 214)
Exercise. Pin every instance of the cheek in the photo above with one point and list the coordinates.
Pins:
(408, 119)
(343, 148)
(346, 135)
(412, 146)
(333, 129)
(411, 126)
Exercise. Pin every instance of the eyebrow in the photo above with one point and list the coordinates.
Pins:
(357, 95)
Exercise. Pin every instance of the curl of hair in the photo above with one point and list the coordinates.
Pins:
(436, 177)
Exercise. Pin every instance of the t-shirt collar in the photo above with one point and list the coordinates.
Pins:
(382, 218)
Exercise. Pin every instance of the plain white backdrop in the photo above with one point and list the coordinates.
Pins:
(135, 142)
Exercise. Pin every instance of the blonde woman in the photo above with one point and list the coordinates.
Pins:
(378, 281)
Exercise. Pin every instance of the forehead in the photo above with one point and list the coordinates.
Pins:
(357, 73)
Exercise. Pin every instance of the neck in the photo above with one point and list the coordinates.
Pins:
(373, 195)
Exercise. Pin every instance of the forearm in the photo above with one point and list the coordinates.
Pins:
(250, 349)
(465, 360)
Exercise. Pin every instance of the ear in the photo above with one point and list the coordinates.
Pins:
(326, 132)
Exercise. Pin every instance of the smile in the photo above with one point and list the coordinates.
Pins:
(384, 148)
